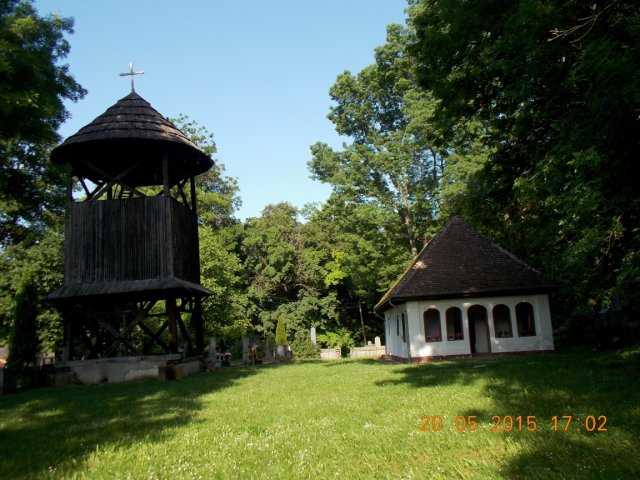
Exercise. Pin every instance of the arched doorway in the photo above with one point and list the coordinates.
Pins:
(478, 329)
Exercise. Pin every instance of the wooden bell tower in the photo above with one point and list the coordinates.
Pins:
(132, 270)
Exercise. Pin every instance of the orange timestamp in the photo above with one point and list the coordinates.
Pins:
(518, 423)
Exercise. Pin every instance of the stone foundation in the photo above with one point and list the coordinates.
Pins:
(123, 369)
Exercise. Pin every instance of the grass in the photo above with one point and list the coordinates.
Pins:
(349, 419)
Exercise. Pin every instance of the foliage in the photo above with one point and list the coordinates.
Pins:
(285, 272)
(23, 343)
(34, 84)
(394, 185)
(221, 272)
(555, 86)
(216, 193)
(219, 236)
(302, 347)
(339, 338)
(333, 419)
(281, 334)
(392, 161)
(43, 262)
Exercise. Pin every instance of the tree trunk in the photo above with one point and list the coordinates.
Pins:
(406, 218)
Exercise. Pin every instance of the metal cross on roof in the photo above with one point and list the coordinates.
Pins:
(131, 73)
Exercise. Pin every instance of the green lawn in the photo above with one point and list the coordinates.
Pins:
(345, 419)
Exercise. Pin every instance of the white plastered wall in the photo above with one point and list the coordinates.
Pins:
(543, 340)
(393, 331)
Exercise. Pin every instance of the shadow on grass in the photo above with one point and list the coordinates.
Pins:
(340, 362)
(440, 373)
(583, 385)
(58, 428)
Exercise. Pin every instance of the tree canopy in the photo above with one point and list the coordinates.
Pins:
(391, 161)
(556, 85)
(33, 85)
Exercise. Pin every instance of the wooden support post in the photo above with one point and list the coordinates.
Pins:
(196, 324)
(193, 195)
(172, 318)
(187, 347)
(165, 175)
(245, 350)
(67, 341)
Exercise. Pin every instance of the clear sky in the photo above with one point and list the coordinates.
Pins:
(255, 73)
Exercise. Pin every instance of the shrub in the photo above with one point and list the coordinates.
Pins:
(303, 348)
(340, 338)
(23, 342)
(281, 334)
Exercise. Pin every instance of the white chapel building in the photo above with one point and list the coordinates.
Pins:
(464, 295)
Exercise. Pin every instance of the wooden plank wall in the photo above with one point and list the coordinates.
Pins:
(131, 239)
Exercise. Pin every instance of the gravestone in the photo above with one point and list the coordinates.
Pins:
(245, 350)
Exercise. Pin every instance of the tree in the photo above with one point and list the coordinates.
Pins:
(394, 159)
(365, 251)
(221, 272)
(556, 83)
(302, 347)
(23, 343)
(33, 85)
(219, 237)
(284, 272)
(281, 334)
(217, 194)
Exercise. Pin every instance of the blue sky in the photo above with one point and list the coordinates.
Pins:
(255, 73)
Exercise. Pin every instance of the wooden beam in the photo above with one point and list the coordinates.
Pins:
(197, 325)
(193, 194)
(181, 192)
(119, 338)
(172, 318)
(107, 176)
(186, 337)
(114, 180)
(165, 175)
(84, 186)
(156, 336)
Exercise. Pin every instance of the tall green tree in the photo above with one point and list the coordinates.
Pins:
(221, 272)
(24, 343)
(556, 83)
(43, 264)
(33, 85)
(220, 237)
(364, 253)
(34, 82)
(394, 159)
(217, 193)
(285, 272)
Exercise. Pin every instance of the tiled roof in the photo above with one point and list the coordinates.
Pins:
(461, 262)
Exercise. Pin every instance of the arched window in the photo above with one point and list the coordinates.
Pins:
(454, 324)
(432, 329)
(502, 321)
(524, 319)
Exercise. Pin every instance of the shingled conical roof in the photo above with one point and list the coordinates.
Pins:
(461, 262)
(129, 132)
